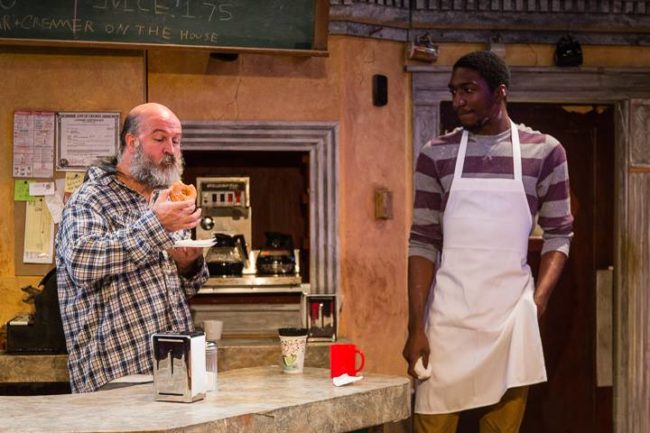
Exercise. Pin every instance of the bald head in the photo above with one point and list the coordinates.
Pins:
(140, 115)
(152, 109)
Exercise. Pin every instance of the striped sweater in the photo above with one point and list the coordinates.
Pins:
(545, 178)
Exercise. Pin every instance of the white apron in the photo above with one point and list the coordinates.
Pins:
(482, 322)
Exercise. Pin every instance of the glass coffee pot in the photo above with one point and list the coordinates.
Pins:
(277, 257)
(227, 256)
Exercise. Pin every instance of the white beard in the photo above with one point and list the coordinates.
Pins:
(155, 175)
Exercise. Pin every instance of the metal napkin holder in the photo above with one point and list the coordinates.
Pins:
(179, 366)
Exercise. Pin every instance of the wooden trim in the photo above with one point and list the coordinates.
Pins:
(623, 396)
(600, 22)
(321, 25)
(639, 169)
(135, 46)
(537, 84)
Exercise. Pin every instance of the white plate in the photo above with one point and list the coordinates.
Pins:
(198, 243)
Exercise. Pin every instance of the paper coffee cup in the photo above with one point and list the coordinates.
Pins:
(293, 343)
(213, 329)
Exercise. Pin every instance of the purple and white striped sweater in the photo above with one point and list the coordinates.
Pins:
(545, 178)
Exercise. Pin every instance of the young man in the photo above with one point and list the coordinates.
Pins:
(477, 191)
(119, 277)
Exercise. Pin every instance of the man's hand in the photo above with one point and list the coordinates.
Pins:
(185, 258)
(550, 269)
(417, 345)
(420, 276)
(175, 215)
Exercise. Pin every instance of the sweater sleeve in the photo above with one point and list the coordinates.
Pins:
(426, 234)
(554, 194)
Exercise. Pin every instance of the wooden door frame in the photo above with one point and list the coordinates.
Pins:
(629, 91)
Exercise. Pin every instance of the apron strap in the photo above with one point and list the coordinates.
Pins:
(516, 153)
(460, 158)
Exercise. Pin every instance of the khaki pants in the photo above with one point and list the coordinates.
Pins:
(503, 417)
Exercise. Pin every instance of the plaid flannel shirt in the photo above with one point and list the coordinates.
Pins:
(116, 283)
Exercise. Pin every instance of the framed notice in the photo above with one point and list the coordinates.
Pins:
(83, 137)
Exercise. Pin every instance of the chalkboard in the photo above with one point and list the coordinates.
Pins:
(230, 25)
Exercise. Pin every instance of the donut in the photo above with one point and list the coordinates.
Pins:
(180, 192)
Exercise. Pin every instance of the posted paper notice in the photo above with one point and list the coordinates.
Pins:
(33, 144)
(84, 137)
(39, 233)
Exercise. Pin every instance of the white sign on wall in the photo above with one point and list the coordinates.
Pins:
(84, 137)
(33, 144)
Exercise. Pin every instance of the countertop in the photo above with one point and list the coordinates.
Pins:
(259, 399)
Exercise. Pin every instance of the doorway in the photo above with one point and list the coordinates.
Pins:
(318, 140)
(571, 401)
(279, 192)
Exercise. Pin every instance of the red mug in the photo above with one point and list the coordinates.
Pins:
(343, 359)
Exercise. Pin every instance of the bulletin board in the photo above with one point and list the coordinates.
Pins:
(80, 132)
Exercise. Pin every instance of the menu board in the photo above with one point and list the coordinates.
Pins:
(296, 25)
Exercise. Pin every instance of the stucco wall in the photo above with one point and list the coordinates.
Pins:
(373, 146)
(374, 150)
(375, 143)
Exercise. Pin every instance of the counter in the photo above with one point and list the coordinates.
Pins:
(259, 399)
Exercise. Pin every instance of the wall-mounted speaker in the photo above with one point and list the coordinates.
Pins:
(379, 90)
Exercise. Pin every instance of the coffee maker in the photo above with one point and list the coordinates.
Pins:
(232, 262)
(235, 292)
(226, 207)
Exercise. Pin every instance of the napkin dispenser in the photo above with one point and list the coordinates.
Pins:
(179, 366)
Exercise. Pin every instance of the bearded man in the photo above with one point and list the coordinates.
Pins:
(119, 277)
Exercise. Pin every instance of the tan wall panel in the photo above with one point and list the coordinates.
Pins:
(53, 80)
(253, 87)
(375, 154)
